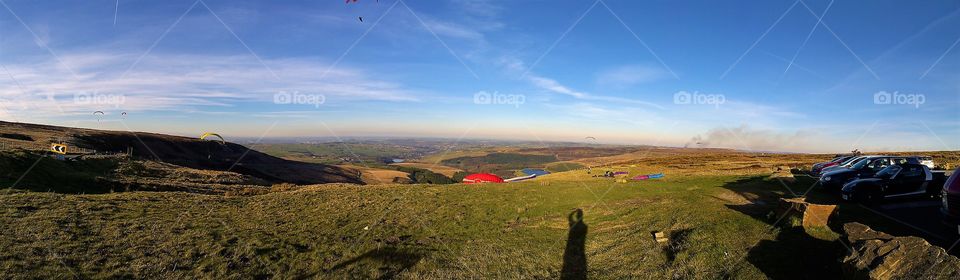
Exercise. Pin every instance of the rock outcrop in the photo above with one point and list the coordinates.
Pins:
(811, 215)
(877, 255)
(784, 174)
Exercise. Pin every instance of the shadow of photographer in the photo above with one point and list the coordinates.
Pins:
(574, 256)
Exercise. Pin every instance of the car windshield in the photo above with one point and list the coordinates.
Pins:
(888, 172)
(854, 161)
(861, 163)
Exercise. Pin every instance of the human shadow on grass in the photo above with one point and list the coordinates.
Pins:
(391, 261)
(574, 256)
(678, 243)
(792, 254)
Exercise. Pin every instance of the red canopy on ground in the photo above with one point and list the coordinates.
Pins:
(482, 178)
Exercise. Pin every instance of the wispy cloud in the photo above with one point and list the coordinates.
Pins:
(617, 114)
(451, 29)
(517, 66)
(556, 87)
(484, 8)
(630, 75)
(172, 82)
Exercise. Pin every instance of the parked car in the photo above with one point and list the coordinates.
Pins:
(864, 168)
(815, 170)
(898, 180)
(845, 164)
(951, 198)
(928, 161)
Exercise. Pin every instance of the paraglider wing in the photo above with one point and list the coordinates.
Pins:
(591, 137)
(479, 178)
(95, 112)
(355, 1)
(208, 134)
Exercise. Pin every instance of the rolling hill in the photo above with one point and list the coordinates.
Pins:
(177, 150)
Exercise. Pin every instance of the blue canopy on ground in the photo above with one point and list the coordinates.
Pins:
(534, 171)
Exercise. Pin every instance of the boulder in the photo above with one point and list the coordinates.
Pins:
(877, 255)
(783, 174)
(660, 237)
(812, 215)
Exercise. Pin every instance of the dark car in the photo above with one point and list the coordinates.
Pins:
(864, 168)
(844, 164)
(951, 198)
(898, 180)
(815, 170)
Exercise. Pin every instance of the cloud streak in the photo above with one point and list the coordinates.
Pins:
(514, 65)
(172, 82)
(630, 75)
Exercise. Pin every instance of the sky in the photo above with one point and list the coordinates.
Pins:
(791, 75)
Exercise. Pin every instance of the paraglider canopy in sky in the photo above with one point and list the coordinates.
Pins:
(209, 134)
(355, 1)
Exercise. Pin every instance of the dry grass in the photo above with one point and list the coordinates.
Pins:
(514, 230)
(371, 175)
(712, 205)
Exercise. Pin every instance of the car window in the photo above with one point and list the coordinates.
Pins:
(852, 161)
(875, 164)
(911, 172)
(860, 164)
(879, 163)
(899, 160)
(889, 171)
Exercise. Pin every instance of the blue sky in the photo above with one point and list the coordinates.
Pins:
(609, 69)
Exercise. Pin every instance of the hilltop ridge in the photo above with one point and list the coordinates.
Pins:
(177, 150)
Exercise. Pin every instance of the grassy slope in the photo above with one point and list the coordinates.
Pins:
(415, 231)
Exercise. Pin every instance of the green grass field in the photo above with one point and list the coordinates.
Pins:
(504, 164)
(518, 230)
(331, 153)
